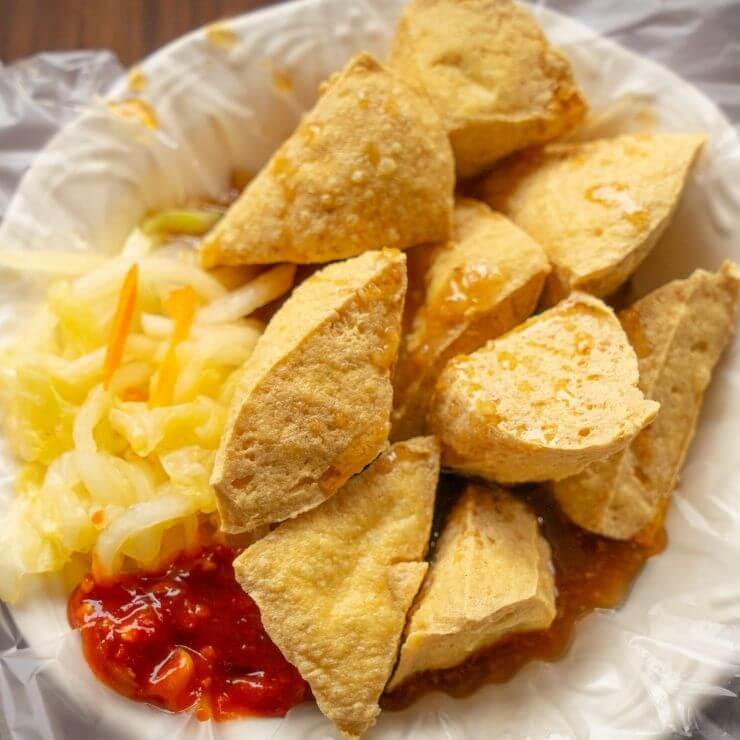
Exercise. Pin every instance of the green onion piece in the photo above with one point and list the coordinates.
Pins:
(193, 221)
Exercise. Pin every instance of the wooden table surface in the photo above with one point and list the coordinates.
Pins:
(131, 28)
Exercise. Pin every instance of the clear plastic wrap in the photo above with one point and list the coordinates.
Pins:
(667, 663)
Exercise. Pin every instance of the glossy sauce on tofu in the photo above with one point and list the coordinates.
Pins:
(186, 637)
(591, 572)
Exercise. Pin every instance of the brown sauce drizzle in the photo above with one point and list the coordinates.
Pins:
(591, 572)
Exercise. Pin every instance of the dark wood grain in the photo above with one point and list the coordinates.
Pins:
(131, 28)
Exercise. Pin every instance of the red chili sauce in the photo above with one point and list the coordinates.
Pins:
(186, 637)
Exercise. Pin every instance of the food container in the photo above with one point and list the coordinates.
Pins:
(665, 663)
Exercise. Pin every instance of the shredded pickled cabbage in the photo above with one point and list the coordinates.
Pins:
(104, 472)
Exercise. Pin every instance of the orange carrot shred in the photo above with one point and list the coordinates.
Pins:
(121, 325)
(180, 305)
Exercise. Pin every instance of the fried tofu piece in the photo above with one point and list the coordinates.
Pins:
(597, 208)
(491, 576)
(369, 167)
(679, 332)
(334, 585)
(482, 283)
(490, 72)
(543, 401)
(313, 405)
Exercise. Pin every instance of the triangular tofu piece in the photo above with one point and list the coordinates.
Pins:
(544, 400)
(313, 404)
(490, 72)
(477, 286)
(679, 332)
(597, 208)
(333, 586)
(491, 576)
(369, 167)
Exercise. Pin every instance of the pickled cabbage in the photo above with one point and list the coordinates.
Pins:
(104, 472)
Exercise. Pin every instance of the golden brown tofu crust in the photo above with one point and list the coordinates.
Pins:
(543, 401)
(313, 404)
(489, 70)
(334, 585)
(491, 576)
(597, 208)
(477, 286)
(369, 167)
(679, 332)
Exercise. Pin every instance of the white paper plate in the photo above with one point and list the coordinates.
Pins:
(637, 672)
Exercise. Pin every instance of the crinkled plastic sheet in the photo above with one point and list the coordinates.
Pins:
(40, 685)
